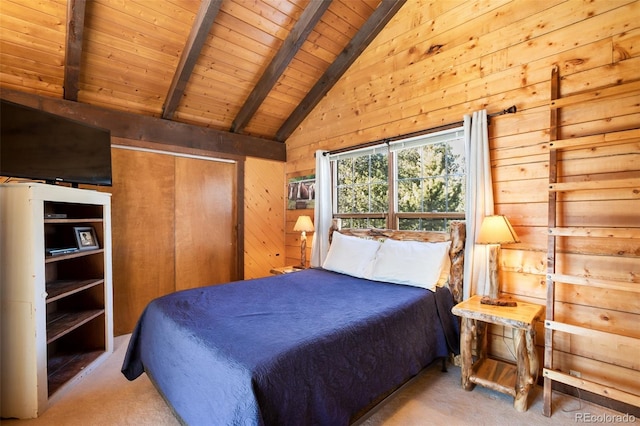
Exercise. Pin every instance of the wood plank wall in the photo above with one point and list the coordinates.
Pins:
(264, 244)
(439, 60)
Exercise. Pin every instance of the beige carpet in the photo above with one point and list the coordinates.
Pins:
(105, 397)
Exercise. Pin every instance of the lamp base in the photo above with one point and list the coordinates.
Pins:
(303, 250)
(494, 260)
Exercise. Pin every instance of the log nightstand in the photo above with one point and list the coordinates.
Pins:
(514, 380)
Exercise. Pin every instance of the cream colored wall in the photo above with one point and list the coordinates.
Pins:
(438, 60)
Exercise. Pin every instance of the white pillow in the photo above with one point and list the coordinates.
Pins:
(410, 262)
(351, 255)
(445, 272)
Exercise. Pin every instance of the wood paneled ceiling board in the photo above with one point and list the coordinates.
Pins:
(131, 52)
(32, 41)
(247, 67)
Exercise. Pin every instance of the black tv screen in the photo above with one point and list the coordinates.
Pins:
(41, 146)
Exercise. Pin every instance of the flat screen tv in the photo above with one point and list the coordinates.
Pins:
(41, 146)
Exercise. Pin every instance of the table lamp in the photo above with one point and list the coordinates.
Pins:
(495, 230)
(304, 225)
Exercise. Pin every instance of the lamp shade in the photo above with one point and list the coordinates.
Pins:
(496, 229)
(303, 224)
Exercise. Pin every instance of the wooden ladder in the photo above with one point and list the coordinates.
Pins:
(556, 147)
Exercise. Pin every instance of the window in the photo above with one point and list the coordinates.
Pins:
(411, 184)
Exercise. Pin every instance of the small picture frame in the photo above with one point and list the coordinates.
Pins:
(86, 238)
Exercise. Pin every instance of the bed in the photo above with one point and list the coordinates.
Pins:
(317, 346)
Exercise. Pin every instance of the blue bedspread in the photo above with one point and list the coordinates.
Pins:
(311, 347)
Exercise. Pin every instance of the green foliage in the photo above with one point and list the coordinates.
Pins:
(362, 184)
(364, 223)
(430, 179)
(423, 224)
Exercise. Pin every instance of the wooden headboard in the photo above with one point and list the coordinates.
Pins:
(456, 234)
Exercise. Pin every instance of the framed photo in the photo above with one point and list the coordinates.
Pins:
(301, 192)
(86, 238)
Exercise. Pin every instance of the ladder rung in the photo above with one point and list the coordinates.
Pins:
(591, 386)
(595, 282)
(596, 184)
(620, 89)
(633, 342)
(596, 140)
(595, 232)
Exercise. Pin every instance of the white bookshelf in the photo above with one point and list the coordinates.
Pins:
(56, 310)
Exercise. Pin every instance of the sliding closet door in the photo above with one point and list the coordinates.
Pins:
(206, 222)
(142, 219)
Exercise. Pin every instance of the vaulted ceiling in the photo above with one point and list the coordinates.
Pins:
(246, 67)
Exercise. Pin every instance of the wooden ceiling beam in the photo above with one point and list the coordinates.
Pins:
(299, 33)
(152, 129)
(376, 22)
(199, 32)
(73, 50)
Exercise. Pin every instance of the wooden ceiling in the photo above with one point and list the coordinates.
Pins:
(246, 67)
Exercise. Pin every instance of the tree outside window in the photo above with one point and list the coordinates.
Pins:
(362, 190)
(430, 181)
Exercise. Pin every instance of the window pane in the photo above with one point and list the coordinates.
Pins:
(377, 223)
(345, 199)
(362, 184)
(422, 224)
(410, 195)
(361, 199)
(347, 223)
(361, 170)
(433, 160)
(409, 164)
(433, 225)
(345, 172)
(363, 223)
(431, 178)
(456, 191)
(435, 195)
(456, 158)
(379, 196)
(409, 224)
(379, 168)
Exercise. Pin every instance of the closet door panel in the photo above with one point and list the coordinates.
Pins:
(142, 232)
(206, 222)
